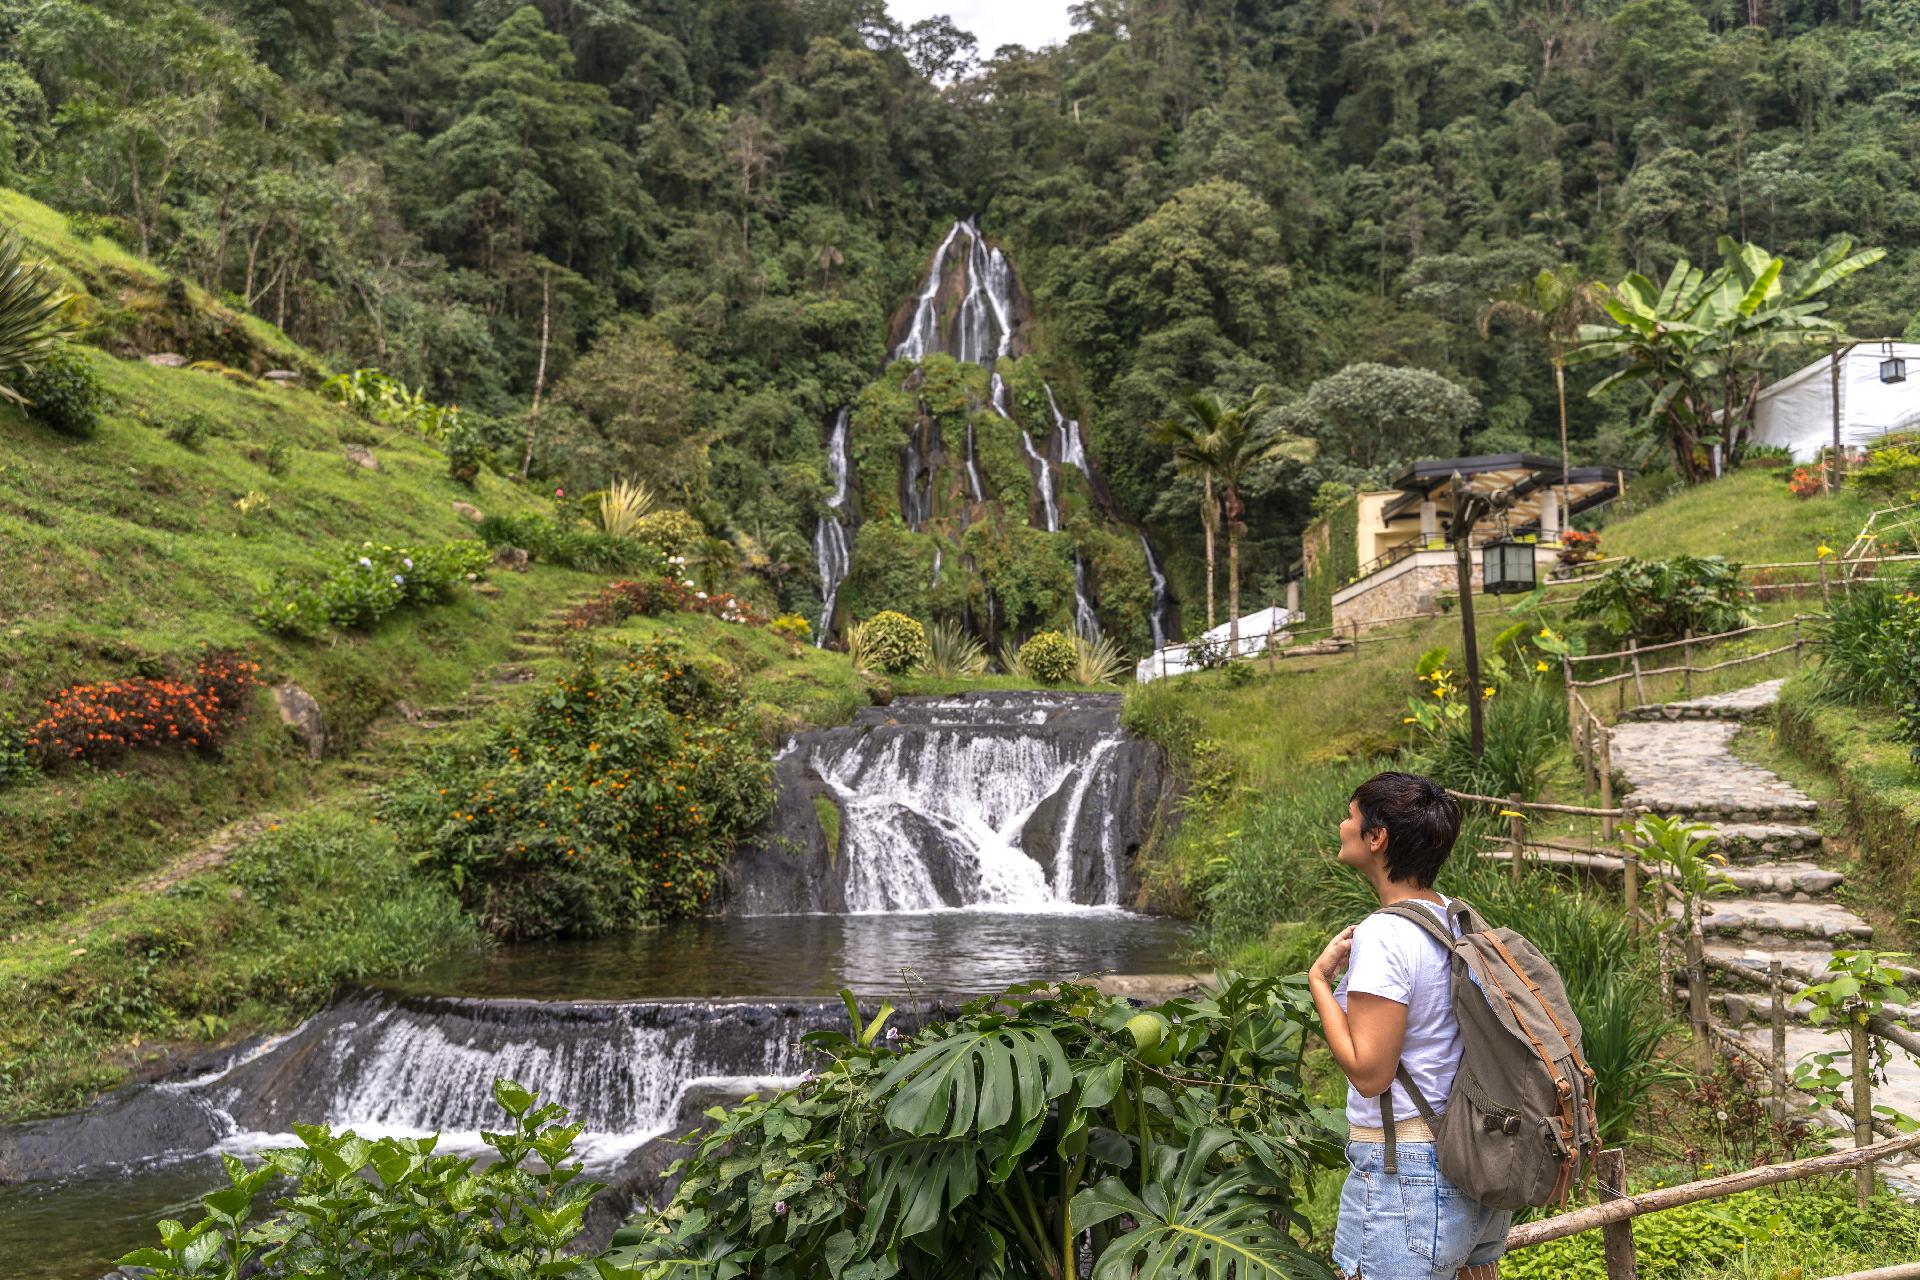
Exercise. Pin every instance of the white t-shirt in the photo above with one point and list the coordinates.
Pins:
(1398, 960)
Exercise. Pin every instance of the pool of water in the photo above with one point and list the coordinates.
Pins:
(77, 1229)
(884, 955)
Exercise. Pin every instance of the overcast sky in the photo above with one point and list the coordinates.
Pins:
(1033, 23)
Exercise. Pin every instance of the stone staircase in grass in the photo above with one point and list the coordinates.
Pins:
(1676, 758)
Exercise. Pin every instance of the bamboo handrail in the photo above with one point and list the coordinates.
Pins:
(1903, 1271)
(1633, 1206)
(1617, 677)
(1886, 1029)
(1646, 649)
(1578, 811)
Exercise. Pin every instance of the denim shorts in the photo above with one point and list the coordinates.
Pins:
(1413, 1226)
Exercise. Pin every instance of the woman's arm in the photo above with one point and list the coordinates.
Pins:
(1366, 1037)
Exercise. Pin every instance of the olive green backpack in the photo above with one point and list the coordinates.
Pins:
(1519, 1127)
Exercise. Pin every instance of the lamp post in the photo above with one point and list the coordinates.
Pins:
(1468, 507)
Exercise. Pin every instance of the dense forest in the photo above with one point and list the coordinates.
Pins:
(687, 228)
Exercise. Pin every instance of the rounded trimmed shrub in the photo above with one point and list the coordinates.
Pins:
(63, 391)
(672, 530)
(1048, 656)
(892, 642)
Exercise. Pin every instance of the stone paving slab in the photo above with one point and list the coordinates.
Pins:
(1740, 840)
(1805, 919)
(1783, 878)
(1750, 703)
(1688, 767)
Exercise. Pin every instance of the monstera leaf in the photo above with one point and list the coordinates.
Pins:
(1195, 1223)
(977, 1080)
(912, 1185)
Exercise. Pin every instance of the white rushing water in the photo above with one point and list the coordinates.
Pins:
(1158, 618)
(832, 538)
(937, 812)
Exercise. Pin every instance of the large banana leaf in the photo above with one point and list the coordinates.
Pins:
(977, 1080)
(1191, 1223)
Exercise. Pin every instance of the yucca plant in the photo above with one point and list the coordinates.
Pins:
(1008, 658)
(952, 653)
(859, 646)
(31, 314)
(622, 506)
(1097, 661)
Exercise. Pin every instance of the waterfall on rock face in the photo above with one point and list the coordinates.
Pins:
(1159, 617)
(939, 556)
(1085, 620)
(973, 468)
(1043, 478)
(1068, 444)
(923, 332)
(1023, 802)
(832, 540)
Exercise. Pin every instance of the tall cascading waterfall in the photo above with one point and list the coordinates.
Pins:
(832, 536)
(1158, 619)
(1008, 801)
(381, 1063)
(1071, 450)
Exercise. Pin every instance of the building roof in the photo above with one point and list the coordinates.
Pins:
(1528, 473)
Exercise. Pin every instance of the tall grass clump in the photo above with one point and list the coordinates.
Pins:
(1862, 645)
(952, 653)
(623, 506)
(1097, 661)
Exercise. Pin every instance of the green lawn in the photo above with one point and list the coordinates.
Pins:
(1749, 515)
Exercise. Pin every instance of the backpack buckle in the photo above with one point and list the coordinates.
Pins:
(1507, 1122)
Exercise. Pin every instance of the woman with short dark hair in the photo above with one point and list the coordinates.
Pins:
(1392, 1015)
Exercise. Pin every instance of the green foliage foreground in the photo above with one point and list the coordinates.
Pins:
(989, 1144)
(985, 1145)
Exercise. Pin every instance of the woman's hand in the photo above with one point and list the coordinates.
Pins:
(1334, 958)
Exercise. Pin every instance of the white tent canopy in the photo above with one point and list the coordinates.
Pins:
(1255, 629)
(1796, 412)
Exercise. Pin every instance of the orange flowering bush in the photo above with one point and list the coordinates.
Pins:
(1806, 482)
(617, 798)
(103, 721)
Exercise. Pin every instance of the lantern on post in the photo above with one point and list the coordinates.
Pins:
(1892, 367)
(1507, 567)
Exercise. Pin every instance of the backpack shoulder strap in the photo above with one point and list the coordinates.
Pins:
(1422, 917)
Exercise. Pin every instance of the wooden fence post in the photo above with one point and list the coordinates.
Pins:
(1826, 597)
(1862, 1105)
(1663, 948)
(1697, 1000)
(1686, 664)
(1630, 884)
(1606, 782)
(1779, 1060)
(1796, 639)
(1639, 686)
(1610, 1171)
(1516, 833)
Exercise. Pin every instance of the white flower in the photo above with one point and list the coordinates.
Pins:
(365, 563)
(399, 581)
(700, 595)
(407, 561)
(686, 582)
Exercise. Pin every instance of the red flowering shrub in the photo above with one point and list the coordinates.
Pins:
(1578, 547)
(618, 601)
(1805, 482)
(104, 720)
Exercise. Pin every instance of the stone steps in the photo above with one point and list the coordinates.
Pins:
(1762, 841)
(1784, 879)
(1765, 920)
(1752, 703)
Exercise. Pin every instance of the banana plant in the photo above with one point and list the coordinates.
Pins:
(1699, 341)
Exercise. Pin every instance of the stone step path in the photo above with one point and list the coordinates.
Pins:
(1676, 758)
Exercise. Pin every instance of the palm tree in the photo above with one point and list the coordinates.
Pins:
(1188, 435)
(1554, 304)
(30, 314)
(1224, 445)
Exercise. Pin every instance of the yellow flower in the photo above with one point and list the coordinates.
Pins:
(1824, 551)
(1540, 666)
(1490, 691)
(1511, 813)
(1546, 633)
(1409, 720)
